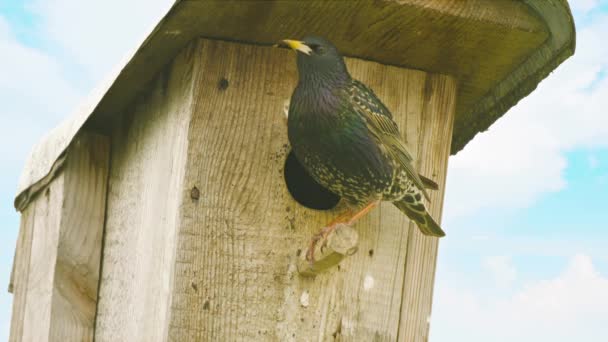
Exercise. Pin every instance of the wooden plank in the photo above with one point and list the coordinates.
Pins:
(58, 273)
(235, 274)
(145, 192)
(21, 265)
(433, 150)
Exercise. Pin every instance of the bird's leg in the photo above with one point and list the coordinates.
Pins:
(347, 218)
(362, 212)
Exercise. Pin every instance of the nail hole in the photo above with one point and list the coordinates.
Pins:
(222, 84)
(306, 190)
(195, 193)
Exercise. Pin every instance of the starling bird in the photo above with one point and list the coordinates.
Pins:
(346, 139)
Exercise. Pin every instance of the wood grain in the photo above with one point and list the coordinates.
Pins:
(235, 275)
(433, 150)
(21, 266)
(58, 256)
(145, 193)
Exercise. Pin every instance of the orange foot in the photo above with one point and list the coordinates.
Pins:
(347, 217)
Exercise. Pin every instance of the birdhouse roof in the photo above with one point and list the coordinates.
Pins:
(497, 50)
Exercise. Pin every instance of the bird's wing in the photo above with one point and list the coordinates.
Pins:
(384, 130)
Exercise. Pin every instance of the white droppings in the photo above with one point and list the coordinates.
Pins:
(368, 282)
(286, 108)
(428, 319)
(305, 299)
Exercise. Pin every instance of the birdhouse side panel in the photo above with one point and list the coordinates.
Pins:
(145, 192)
(58, 257)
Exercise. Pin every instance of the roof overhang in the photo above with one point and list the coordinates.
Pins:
(497, 50)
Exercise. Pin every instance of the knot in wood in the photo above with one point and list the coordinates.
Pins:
(223, 84)
(195, 194)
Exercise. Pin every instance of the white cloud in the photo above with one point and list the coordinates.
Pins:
(4, 331)
(582, 7)
(39, 87)
(29, 73)
(573, 306)
(96, 34)
(34, 96)
(593, 161)
(502, 269)
(521, 157)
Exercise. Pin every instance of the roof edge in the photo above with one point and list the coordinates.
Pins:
(560, 45)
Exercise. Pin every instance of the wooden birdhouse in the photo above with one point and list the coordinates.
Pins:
(160, 211)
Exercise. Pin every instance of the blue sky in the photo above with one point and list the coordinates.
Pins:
(525, 211)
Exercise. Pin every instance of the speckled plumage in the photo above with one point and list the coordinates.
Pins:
(347, 140)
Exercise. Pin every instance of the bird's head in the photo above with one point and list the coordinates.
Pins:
(317, 58)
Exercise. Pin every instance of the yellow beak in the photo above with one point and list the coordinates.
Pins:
(296, 45)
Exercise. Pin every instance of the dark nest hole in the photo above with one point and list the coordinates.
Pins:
(306, 190)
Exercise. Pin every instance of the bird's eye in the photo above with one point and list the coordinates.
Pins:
(318, 49)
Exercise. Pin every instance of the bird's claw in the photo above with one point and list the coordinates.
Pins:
(322, 235)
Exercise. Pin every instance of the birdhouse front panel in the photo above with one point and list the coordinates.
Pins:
(203, 238)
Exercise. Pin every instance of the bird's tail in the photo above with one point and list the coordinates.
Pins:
(429, 183)
(417, 212)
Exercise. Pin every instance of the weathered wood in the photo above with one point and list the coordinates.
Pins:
(235, 275)
(434, 125)
(21, 266)
(145, 193)
(58, 257)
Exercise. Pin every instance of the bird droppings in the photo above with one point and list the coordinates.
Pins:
(371, 253)
(368, 282)
(305, 299)
(195, 193)
(206, 305)
(286, 108)
(223, 84)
